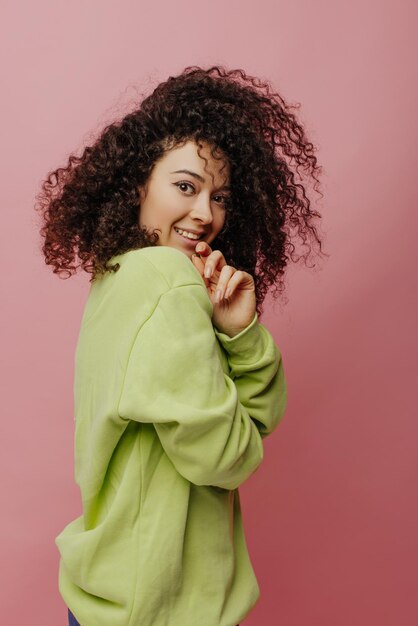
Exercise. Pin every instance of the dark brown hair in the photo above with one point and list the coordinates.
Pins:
(89, 209)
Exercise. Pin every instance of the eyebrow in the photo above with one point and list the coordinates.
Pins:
(198, 176)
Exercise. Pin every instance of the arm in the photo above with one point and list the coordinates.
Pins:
(257, 370)
(175, 380)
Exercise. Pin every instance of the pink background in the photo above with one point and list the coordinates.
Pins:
(332, 515)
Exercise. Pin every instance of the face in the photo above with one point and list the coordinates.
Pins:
(192, 200)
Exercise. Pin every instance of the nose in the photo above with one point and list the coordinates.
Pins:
(201, 210)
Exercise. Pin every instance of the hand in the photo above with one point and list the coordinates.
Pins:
(236, 306)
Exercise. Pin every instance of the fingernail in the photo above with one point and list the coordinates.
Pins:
(208, 271)
(217, 295)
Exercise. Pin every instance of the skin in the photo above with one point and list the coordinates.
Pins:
(165, 203)
(178, 199)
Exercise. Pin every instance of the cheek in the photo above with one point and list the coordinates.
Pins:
(166, 215)
(221, 222)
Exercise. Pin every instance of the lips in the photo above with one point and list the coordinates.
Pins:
(199, 233)
(191, 243)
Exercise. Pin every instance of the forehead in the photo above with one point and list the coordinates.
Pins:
(187, 157)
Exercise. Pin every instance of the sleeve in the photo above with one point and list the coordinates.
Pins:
(256, 367)
(175, 380)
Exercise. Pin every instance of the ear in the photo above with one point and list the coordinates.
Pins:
(142, 190)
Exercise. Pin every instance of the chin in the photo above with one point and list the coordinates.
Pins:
(188, 253)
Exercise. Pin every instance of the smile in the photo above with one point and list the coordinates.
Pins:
(187, 235)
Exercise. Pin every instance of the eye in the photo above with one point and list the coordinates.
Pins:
(225, 199)
(184, 183)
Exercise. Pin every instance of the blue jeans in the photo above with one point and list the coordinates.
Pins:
(73, 622)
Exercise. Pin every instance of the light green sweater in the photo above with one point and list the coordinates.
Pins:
(170, 416)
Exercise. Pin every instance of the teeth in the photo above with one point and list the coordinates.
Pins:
(187, 234)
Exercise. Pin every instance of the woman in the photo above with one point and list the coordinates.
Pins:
(183, 213)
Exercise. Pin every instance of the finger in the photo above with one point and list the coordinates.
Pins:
(215, 261)
(200, 266)
(198, 262)
(203, 248)
(223, 282)
(240, 279)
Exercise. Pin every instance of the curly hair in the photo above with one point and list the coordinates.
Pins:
(90, 207)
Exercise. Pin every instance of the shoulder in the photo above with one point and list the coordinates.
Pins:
(160, 276)
(146, 277)
(164, 265)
